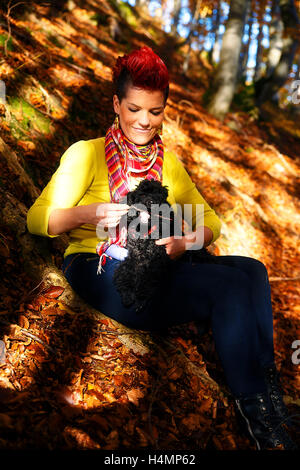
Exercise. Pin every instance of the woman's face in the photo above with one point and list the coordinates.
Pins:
(141, 113)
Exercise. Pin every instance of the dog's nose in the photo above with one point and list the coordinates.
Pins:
(144, 216)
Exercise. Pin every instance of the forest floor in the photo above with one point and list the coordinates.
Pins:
(67, 381)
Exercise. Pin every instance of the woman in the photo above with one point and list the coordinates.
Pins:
(234, 296)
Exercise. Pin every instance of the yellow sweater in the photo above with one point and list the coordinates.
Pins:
(82, 179)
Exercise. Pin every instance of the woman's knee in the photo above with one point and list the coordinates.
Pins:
(255, 267)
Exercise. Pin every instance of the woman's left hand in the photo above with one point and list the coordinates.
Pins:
(175, 247)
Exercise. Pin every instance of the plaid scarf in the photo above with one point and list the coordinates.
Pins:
(124, 157)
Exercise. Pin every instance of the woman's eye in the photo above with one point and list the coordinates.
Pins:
(152, 112)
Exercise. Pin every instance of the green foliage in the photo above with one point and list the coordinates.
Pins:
(125, 11)
(24, 117)
(153, 32)
(206, 97)
(99, 19)
(255, 224)
(233, 126)
(127, 14)
(9, 45)
(54, 40)
(244, 100)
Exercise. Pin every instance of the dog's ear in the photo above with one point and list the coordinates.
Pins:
(164, 192)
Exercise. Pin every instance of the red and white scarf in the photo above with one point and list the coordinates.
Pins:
(123, 157)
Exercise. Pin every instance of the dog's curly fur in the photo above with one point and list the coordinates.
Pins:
(147, 264)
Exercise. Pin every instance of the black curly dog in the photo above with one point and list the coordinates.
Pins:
(147, 264)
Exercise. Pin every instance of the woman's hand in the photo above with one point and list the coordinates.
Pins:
(106, 214)
(175, 247)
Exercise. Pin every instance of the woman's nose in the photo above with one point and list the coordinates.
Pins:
(144, 120)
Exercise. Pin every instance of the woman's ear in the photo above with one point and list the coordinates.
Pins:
(116, 104)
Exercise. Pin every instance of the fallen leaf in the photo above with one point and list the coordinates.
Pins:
(53, 292)
(82, 439)
(192, 421)
(118, 380)
(134, 394)
(174, 373)
(23, 322)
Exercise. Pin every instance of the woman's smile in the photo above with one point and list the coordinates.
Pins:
(141, 130)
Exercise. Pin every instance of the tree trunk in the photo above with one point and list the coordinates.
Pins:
(259, 50)
(243, 61)
(216, 46)
(140, 3)
(227, 70)
(266, 88)
(176, 16)
(275, 32)
(190, 36)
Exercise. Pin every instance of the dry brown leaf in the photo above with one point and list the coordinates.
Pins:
(118, 380)
(53, 292)
(206, 405)
(112, 440)
(109, 397)
(134, 395)
(144, 438)
(192, 421)
(174, 373)
(23, 322)
(81, 438)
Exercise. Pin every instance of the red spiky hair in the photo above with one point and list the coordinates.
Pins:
(146, 69)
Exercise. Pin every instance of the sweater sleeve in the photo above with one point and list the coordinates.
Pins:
(66, 187)
(185, 192)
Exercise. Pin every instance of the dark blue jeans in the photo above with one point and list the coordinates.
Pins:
(234, 296)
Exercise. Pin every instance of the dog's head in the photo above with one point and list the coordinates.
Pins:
(147, 196)
(148, 192)
(146, 200)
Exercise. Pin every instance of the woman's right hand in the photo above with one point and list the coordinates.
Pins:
(106, 214)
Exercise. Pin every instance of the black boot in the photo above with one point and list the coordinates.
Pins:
(255, 414)
(275, 392)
